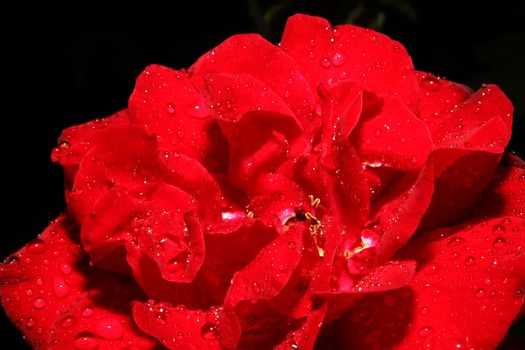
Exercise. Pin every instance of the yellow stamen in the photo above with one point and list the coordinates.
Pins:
(314, 202)
(249, 215)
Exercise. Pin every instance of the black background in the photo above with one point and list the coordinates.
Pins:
(70, 64)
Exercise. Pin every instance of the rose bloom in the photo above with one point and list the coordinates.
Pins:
(319, 193)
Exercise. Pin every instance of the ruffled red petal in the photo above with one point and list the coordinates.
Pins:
(250, 54)
(472, 271)
(328, 55)
(168, 105)
(58, 302)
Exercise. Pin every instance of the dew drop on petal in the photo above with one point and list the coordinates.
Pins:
(109, 328)
(470, 260)
(36, 246)
(60, 287)
(39, 303)
(208, 330)
(430, 83)
(425, 331)
(480, 292)
(87, 312)
(499, 242)
(65, 268)
(325, 62)
(68, 322)
(85, 341)
(30, 323)
(170, 108)
(338, 59)
(256, 288)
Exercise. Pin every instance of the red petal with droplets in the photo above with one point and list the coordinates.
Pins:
(505, 196)
(251, 54)
(168, 105)
(475, 272)
(176, 327)
(438, 97)
(328, 55)
(233, 95)
(388, 138)
(151, 220)
(259, 143)
(107, 164)
(58, 302)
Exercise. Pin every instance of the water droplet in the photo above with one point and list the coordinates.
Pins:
(29, 292)
(87, 312)
(170, 108)
(65, 268)
(499, 242)
(377, 133)
(291, 244)
(498, 229)
(178, 261)
(39, 303)
(256, 288)
(325, 62)
(430, 83)
(488, 281)
(373, 38)
(36, 246)
(480, 292)
(60, 287)
(432, 269)
(85, 341)
(425, 331)
(30, 323)
(197, 110)
(208, 330)
(338, 59)
(68, 322)
(109, 328)
(455, 241)
(470, 260)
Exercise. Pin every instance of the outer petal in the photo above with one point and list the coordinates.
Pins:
(475, 275)
(259, 143)
(438, 97)
(328, 55)
(251, 54)
(394, 137)
(505, 196)
(50, 293)
(177, 327)
(155, 222)
(108, 163)
(169, 106)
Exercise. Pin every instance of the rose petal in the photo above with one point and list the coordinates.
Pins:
(305, 337)
(176, 327)
(328, 55)
(474, 274)
(277, 201)
(50, 293)
(233, 95)
(259, 143)
(388, 138)
(229, 249)
(251, 54)
(108, 164)
(503, 197)
(102, 317)
(398, 212)
(438, 97)
(457, 187)
(167, 104)
(254, 287)
(466, 127)
(154, 220)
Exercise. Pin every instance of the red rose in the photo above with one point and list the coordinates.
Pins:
(319, 192)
